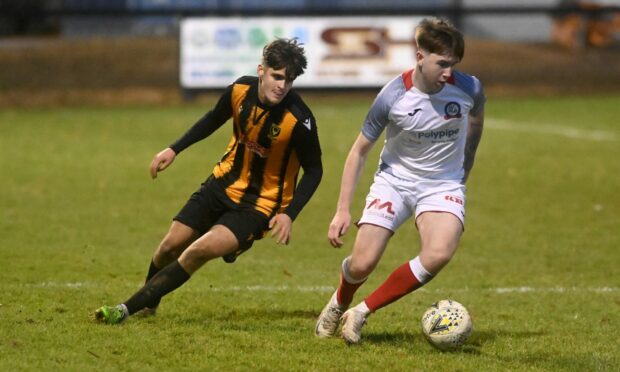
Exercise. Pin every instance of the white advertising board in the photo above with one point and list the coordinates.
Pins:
(342, 52)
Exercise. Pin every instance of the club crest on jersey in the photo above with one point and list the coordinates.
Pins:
(452, 110)
(274, 131)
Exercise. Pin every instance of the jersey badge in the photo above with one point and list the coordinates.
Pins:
(452, 110)
(274, 131)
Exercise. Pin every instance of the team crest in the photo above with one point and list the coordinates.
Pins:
(274, 131)
(452, 110)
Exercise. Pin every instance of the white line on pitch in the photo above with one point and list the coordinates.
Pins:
(284, 288)
(569, 132)
(328, 289)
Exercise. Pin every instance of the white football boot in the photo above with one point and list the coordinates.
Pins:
(328, 321)
(352, 322)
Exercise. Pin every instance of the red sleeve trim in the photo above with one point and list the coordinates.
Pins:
(408, 79)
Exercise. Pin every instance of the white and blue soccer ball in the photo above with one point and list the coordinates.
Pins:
(447, 325)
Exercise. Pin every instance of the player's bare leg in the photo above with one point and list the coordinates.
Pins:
(217, 242)
(369, 246)
(178, 238)
(440, 233)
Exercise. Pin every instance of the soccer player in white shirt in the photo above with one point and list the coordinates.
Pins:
(433, 118)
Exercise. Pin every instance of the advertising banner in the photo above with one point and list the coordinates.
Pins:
(342, 52)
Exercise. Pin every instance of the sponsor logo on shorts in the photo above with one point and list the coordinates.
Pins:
(454, 199)
(383, 210)
(376, 204)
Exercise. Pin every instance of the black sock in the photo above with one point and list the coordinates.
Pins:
(151, 273)
(165, 281)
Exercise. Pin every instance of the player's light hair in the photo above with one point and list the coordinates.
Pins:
(439, 36)
(285, 53)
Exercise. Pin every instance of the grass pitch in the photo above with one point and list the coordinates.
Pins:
(537, 267)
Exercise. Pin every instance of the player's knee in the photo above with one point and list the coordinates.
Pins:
(195, 256)
(202, 251)
(436, 258)
(169, 249)
(360, 268)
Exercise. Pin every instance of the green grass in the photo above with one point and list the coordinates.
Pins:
(80, 217)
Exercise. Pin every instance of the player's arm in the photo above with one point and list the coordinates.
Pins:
(203, 128)
(350, 177)
(374, 124)
(306, 144)
(474, 133)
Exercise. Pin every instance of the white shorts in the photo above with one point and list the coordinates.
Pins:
(392, 200)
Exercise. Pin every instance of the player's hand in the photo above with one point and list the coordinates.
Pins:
(161, 161)
(281, 226)
(338, 227)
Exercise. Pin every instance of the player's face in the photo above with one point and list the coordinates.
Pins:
(436, 69)
(273, 85)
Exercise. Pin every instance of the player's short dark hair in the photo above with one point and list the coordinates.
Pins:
(285, 53)
(439, 36)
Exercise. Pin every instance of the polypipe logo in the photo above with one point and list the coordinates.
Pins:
(439, 134)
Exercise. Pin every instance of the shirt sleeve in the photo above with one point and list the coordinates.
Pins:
(378, 115)
(306, 142)
(208, 124)
(479, 98)
(472, 87)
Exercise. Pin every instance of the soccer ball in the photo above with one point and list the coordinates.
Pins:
(446, 325)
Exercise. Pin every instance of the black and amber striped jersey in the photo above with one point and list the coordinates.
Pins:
(268, 147)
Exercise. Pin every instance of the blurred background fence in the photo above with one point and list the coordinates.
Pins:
(68, 47)
(596, 22)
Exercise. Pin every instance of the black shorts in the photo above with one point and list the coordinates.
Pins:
(206, 208)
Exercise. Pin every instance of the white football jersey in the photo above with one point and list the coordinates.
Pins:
(425, 134)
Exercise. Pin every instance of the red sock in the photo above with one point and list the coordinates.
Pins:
(346, 290)
(399, 283)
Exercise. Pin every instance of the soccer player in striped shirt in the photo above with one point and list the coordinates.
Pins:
(252, 189)
(432, 116)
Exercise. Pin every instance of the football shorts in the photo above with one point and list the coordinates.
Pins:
(392, 200)
(205, 209)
